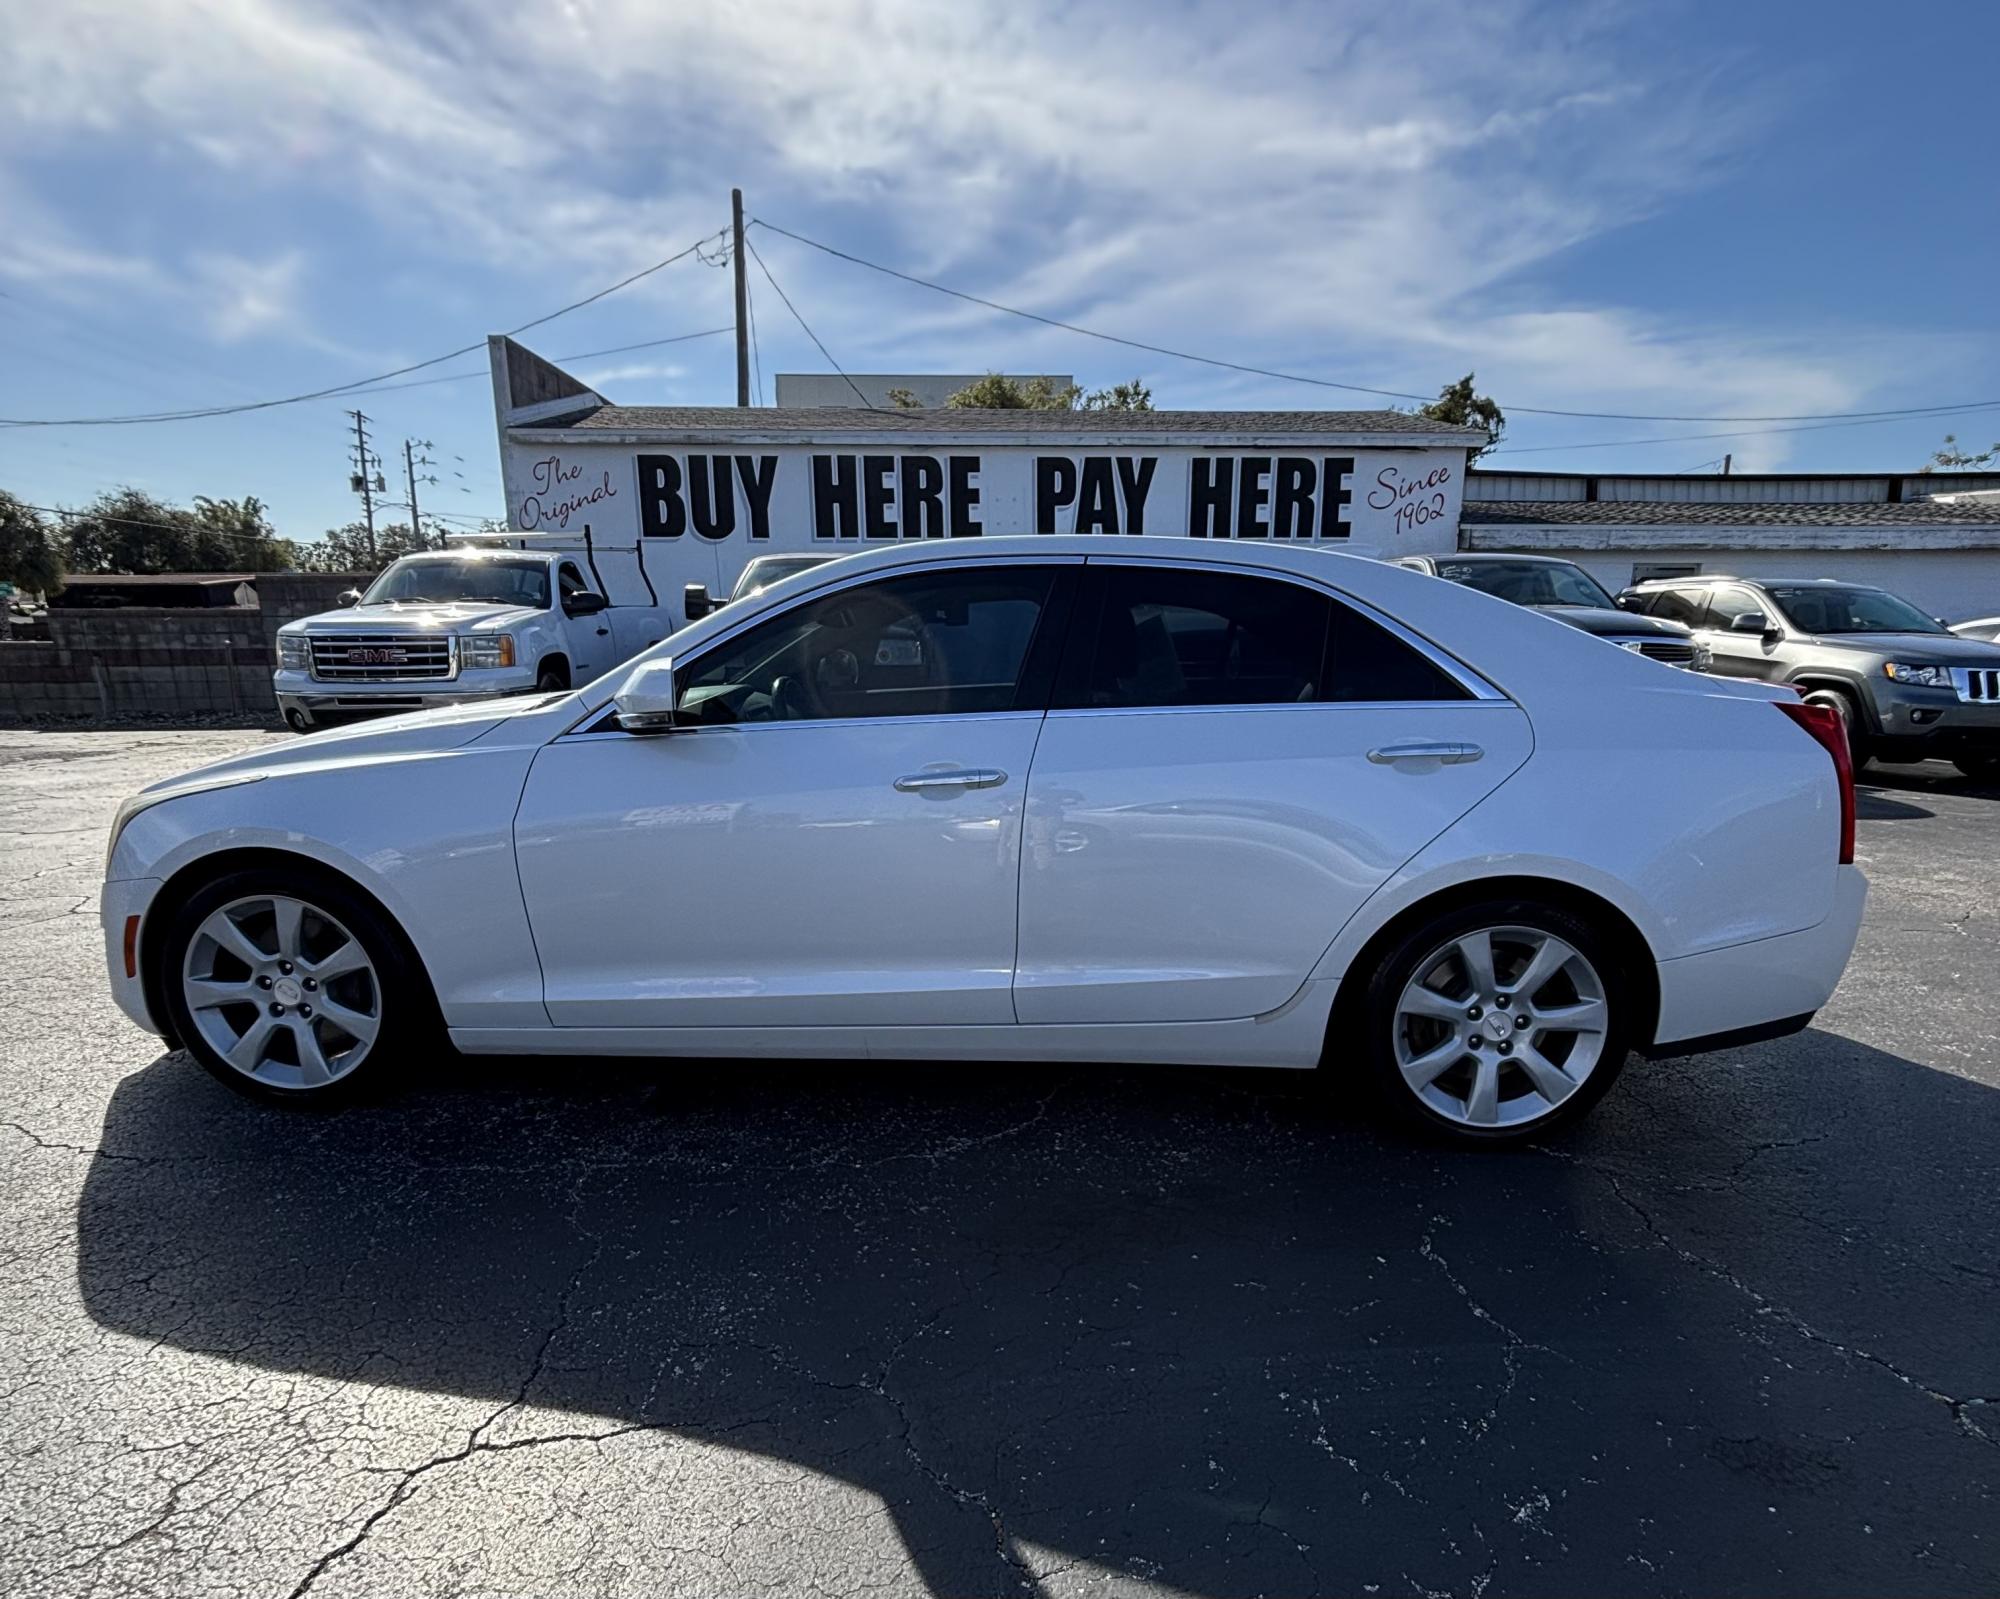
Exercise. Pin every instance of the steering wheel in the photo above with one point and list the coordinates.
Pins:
(789, 701)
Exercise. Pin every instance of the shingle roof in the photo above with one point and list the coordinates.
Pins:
(732, 422)
(1696, 513)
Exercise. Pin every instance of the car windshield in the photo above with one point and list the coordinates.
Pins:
(761, 573)
(1823, 608)
(485, 581)
(1529, 582)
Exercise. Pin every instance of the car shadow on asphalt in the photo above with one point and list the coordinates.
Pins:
(1218, 1330)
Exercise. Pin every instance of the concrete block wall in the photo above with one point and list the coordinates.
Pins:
(286, 596)
(138, 663)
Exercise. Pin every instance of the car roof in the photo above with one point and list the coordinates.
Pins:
(1701, 579)
(1479, 557)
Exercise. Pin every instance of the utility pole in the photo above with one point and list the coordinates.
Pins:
(359, 480)
(1725, 466)
(742, 299)
(410, 462)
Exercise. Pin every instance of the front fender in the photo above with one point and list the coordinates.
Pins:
(430, 835)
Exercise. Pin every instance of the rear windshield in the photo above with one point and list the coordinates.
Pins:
(486, 582)
(761, 573)
(1835, 610)
(1529, 582)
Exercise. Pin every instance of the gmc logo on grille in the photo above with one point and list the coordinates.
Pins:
(375, 656)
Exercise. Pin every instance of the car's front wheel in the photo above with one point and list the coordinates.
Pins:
(1850, 722)
(290, 985)
(1980, 768)
(1499, 1021)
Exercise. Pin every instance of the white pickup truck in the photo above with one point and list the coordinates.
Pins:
(464, 624)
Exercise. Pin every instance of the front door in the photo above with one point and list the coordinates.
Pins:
(830, 836)
(1734, 654)
(1227, 772)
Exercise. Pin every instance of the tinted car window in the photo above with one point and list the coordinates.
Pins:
(1726, 604)
(1167, 636)
(1529, 582)
(1830, 609)
(1676, 605)
(928, 644)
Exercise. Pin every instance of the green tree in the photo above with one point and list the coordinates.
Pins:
(1457, 403)
(129, 530)
(903, 400)
(998, 392)
(30, 550)
(345, 549)
(1952, 459)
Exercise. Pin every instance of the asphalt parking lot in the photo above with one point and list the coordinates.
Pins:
(633, 1330)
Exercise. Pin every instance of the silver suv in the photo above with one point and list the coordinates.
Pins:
(1905, 686)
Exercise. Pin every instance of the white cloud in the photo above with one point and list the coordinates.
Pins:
(1301, 187)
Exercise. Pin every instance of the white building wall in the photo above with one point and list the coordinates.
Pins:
(1955, 584)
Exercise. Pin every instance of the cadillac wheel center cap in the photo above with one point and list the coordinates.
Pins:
(1498, 1027)
(286, 991)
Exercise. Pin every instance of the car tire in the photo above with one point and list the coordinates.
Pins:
(1980, 768)
(1448, 1060)
(290, 985)
(1842, 706)
(553, 678)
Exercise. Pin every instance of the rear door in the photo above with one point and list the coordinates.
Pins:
(1233, 762)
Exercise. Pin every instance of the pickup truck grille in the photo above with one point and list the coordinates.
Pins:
(1978, 684)
(382, 657)
(1673, 651)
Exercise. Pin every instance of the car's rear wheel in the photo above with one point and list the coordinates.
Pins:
(1980, 768)
(1850, 722)
(1498, 1022)
(290, 985)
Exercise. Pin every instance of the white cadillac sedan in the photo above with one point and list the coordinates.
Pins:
(1029, 799)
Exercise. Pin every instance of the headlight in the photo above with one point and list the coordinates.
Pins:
(486, 649)
(1919, 676)
(294, 653)
(159, 796)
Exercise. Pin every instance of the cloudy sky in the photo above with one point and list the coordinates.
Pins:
(1665, 209)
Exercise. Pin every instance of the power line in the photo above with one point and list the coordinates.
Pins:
(344, 388)
(1356, 388)
(823, 350)
(1740, 433)
(756, 355)
(582, 355)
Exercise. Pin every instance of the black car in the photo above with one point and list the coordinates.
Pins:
(1565, 591)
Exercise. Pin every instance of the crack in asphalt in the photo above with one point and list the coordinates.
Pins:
(1511, 1351)
(1956, 1408)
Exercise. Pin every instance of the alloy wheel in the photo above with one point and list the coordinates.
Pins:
(282, 991)
(1498, 1027)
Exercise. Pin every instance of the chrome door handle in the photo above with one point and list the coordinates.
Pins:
(977, 777)
(1446, 754)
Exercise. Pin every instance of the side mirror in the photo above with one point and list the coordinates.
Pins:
(1753, 622)
(584, 602)
(348, 597)
(645, 700)
(695, 601)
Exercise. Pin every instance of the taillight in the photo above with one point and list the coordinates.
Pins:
(1824, 723)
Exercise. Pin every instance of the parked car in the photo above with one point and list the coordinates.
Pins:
(1028, 798)
(756, 577)
(1565, 591)
(1980, 627)
(1903, 684)
(472, 623)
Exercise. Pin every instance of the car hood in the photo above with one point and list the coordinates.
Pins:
(449, 727)
(426, 618)
(1916, 648)
(1620, 624)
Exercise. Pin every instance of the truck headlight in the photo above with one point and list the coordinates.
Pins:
(294, 653)
(1918, 676)
(486, 649)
